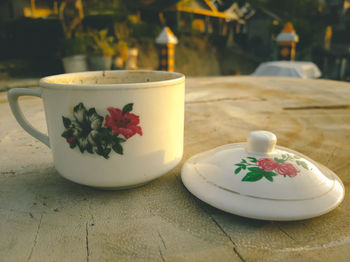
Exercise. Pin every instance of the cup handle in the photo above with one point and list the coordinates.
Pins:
(13, 96)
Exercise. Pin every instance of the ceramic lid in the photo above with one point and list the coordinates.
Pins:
(260, 180)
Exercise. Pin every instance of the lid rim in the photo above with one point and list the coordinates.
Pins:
(265, 198)
(235, 206)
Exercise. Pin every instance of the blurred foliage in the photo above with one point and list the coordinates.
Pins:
(98, 5)
(218, 40)
(121, 49)
(76, 44)
(156, 5)
(122, 31)
(44, 38)
(105, 20)
(70, 13)
(308, 22)
(100, 43)
(303, 9)
(145, 30)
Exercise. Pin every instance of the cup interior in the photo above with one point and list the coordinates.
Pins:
(111, 78)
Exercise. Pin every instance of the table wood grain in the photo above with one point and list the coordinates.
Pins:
(47, 218)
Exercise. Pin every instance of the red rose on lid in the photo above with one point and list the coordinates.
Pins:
(267, 164)
(286, 169)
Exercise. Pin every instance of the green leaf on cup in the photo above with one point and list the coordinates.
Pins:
(66, 122)
(67, 133)
(127, 108)
(73, 144)
(92, 111)
(120, 139)
(118, 148)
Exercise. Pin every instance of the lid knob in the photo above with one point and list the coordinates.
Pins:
(261, 142)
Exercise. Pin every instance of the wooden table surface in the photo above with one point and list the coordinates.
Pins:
(44, 217)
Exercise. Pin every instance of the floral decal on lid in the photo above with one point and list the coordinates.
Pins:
(96, 134)
(270, 167)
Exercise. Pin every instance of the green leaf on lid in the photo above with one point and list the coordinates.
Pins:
(252, 177)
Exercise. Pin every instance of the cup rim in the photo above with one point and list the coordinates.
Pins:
(47, 82)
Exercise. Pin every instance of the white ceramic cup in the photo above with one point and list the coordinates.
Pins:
(110, 129)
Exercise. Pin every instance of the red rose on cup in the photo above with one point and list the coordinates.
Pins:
(286, 169)
(71, 139)
(267, 164)
(125, 124)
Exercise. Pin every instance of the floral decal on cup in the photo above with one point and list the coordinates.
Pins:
(96, 134)
(269, 168)
(123, 122)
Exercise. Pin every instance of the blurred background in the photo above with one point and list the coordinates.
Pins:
(205, 37)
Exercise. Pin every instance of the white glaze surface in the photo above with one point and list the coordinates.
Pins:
(210, 176)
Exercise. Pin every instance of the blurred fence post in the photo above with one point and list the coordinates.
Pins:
(167, 41)
(286, 41)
